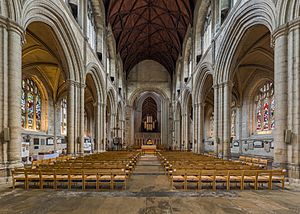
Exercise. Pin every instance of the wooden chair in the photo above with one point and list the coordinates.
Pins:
(47, 176)
(61, 176)
(18, 176)
(105, 177)
(76, 177)
(90, 176)
(264, 177)
(235, 176)
(278, 176)
(178, 177)
(250, 177)
(192, 177)
(119, 177)
(32, 176)
(208, 176)
(221, 177)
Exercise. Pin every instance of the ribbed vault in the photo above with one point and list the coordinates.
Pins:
(149, 29)
(149, 108)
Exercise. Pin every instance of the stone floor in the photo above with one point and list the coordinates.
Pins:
(148, 192)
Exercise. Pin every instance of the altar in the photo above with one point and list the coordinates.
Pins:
(149, 147)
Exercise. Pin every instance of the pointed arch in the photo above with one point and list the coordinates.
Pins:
(45, 12)
(250, 14)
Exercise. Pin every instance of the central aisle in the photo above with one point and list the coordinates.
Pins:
(148, 176)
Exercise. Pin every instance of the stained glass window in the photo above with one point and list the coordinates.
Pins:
(63, 116)
(265, 109)
(31, 105)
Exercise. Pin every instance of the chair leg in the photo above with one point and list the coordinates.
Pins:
(111, 185)
(97, 184)
(27, 184)
(214, 185)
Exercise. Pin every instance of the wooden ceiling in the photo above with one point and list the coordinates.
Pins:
(149, 29)
(149, 108)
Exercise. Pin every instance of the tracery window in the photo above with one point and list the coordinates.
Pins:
(31, 105)
(265, 109)
(63, 116)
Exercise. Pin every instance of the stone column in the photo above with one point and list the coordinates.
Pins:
(97, 125)
(14, 59)
(55, 108)
(102, 126)
(164, 123)
(280, 83)
(167, 143)
(196, 128)
(3, 92)
(227, 119)
(239, 128)
(81, 119)
(220, 123)
(201, 127)
(70, 118)
(292, 34)
(294, 77)
(216, 119)
(183, 131)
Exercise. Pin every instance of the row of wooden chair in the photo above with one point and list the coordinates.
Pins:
(109, 168)
(254, 161)
(185, 168)
(72, 178)
(212, 178)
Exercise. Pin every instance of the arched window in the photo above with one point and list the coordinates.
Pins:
(265, 109)
(63, 116)
(91, 28)
(31, 105)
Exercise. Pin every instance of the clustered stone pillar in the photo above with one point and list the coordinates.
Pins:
(81, 89)
(14, 68)
(287, 99)
(97, 119)
(184, 131)
(216, 120)
(227, 119)
(201, 127)
(294, 104)
(103, 126)
(196, 142)
(280, 83)
(70, 118)
(164, 123)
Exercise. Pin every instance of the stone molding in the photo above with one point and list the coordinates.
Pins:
(75, 83)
